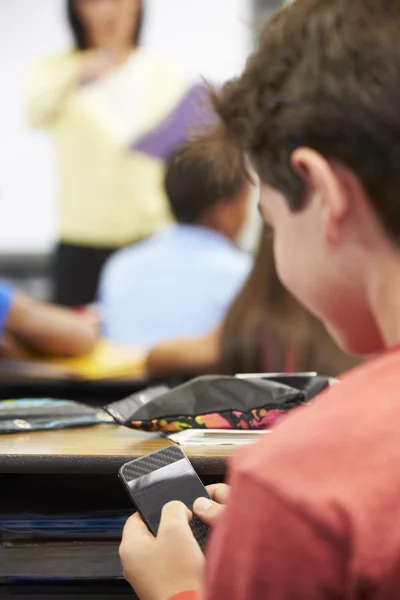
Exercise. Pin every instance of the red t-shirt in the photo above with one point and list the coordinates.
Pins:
(315, 506)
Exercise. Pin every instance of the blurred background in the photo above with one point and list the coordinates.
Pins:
(203, 38)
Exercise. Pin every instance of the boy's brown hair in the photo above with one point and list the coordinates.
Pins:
(203, 172)
(326, 75)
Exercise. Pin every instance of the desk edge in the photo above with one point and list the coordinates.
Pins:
(25, 463)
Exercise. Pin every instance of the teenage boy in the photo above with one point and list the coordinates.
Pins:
(180, 282)
(313, 511)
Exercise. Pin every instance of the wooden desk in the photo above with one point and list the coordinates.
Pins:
(98, 450)
(75, 471)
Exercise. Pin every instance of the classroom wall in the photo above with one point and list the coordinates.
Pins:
(211, 37)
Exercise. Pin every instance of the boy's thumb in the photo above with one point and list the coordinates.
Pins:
(207, 510)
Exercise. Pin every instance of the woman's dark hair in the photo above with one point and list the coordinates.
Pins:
(265, 327)
(79, 33)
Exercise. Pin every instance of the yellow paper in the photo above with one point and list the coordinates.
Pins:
(107, 361)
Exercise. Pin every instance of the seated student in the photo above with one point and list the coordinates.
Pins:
(181, 281)
(265, 330)
(29, 325)
(313, 509)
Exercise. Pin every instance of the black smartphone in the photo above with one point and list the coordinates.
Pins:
(161, 477)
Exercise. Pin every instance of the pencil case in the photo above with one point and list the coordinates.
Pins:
(208, 402)
(34, 414)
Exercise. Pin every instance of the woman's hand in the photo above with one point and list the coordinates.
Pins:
(209, 511)
(160, 567)
(94, 64)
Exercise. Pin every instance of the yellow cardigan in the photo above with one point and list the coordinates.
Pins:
(111, 192)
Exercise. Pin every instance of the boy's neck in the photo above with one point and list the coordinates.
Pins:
(384, 295)
(215, 224)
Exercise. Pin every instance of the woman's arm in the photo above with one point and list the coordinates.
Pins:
(50, 83)
(49, 329)
(54, 79)
(186, 356)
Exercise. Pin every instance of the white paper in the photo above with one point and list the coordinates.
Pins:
(273, 375)
(216, 437)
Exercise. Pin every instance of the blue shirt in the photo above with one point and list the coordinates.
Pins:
(6, 294)
(178, 283)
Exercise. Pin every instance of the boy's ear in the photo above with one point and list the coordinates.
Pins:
(324, 184)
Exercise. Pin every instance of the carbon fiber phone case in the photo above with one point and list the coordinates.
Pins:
(152, 462)
(148, 465)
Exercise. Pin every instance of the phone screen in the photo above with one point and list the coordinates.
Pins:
(176, 481)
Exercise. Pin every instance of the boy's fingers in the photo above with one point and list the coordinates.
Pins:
(174, 514)
(219, 492)
(207, 510)
(135, 529)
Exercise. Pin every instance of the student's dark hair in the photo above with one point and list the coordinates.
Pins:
(201, 173)
(79, 33)
(325, 75)
(265, 325)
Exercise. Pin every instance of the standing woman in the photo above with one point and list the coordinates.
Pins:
(115, 111)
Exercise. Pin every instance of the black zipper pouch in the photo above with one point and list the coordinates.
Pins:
(208, 402)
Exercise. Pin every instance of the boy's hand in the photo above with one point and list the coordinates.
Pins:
(219, 492)
(160, 567)
(209, 511)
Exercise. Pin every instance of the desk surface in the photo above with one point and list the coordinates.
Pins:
(100, 449)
